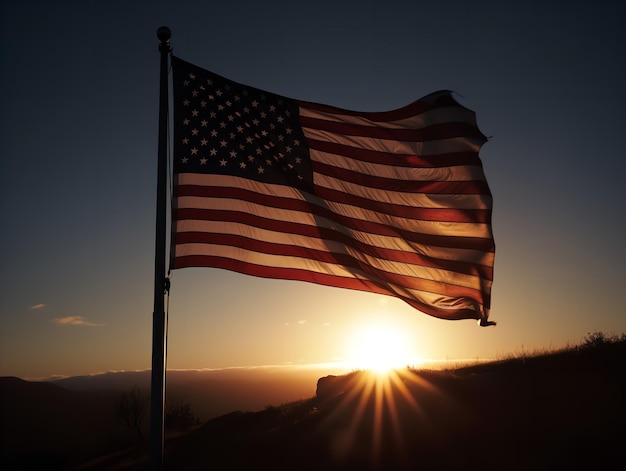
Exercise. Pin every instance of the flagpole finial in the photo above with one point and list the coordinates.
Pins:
(164, 34)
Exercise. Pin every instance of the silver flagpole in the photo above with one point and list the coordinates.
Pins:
(157, 385)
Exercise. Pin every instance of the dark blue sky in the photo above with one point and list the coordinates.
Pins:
(79, 94)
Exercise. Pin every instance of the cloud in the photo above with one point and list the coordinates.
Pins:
(302, 321)
(74, 320)
(37, 306)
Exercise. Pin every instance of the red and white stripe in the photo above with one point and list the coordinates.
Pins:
(401, 207)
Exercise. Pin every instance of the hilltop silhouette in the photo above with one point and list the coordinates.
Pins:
(558, 410)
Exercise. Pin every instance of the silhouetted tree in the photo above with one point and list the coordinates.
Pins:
(131, 409)
(178, 415)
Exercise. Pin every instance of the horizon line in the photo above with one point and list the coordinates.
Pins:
(337, 365)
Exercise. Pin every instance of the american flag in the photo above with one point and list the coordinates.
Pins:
(394, 203)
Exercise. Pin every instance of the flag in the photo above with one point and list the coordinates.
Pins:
(392, 202)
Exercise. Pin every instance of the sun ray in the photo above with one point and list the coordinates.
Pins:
(376, 405)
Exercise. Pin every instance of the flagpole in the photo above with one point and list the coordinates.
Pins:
(157, 385)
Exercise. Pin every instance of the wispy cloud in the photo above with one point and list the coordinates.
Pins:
(303, 321)
(37, 306)
(75, 320)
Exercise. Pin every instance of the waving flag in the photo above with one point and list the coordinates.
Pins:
(394, 203)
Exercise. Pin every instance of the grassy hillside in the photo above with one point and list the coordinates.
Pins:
(560, 410)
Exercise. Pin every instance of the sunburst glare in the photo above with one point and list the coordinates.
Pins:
(374, 410)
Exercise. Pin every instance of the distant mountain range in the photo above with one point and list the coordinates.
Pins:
(213, 392)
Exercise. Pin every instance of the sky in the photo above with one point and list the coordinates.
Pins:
(79, 93)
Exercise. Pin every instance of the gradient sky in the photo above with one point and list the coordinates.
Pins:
(79, 105)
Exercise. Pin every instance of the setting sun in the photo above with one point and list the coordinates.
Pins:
(379, 348)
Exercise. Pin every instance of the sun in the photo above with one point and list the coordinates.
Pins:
(379, 348)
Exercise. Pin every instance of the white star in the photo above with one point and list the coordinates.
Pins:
(203, 161)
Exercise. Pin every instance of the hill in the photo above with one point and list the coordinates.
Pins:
(46, 426)
(56, 424)
(563, 410)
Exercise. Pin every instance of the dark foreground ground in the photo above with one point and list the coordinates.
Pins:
(558, 411)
